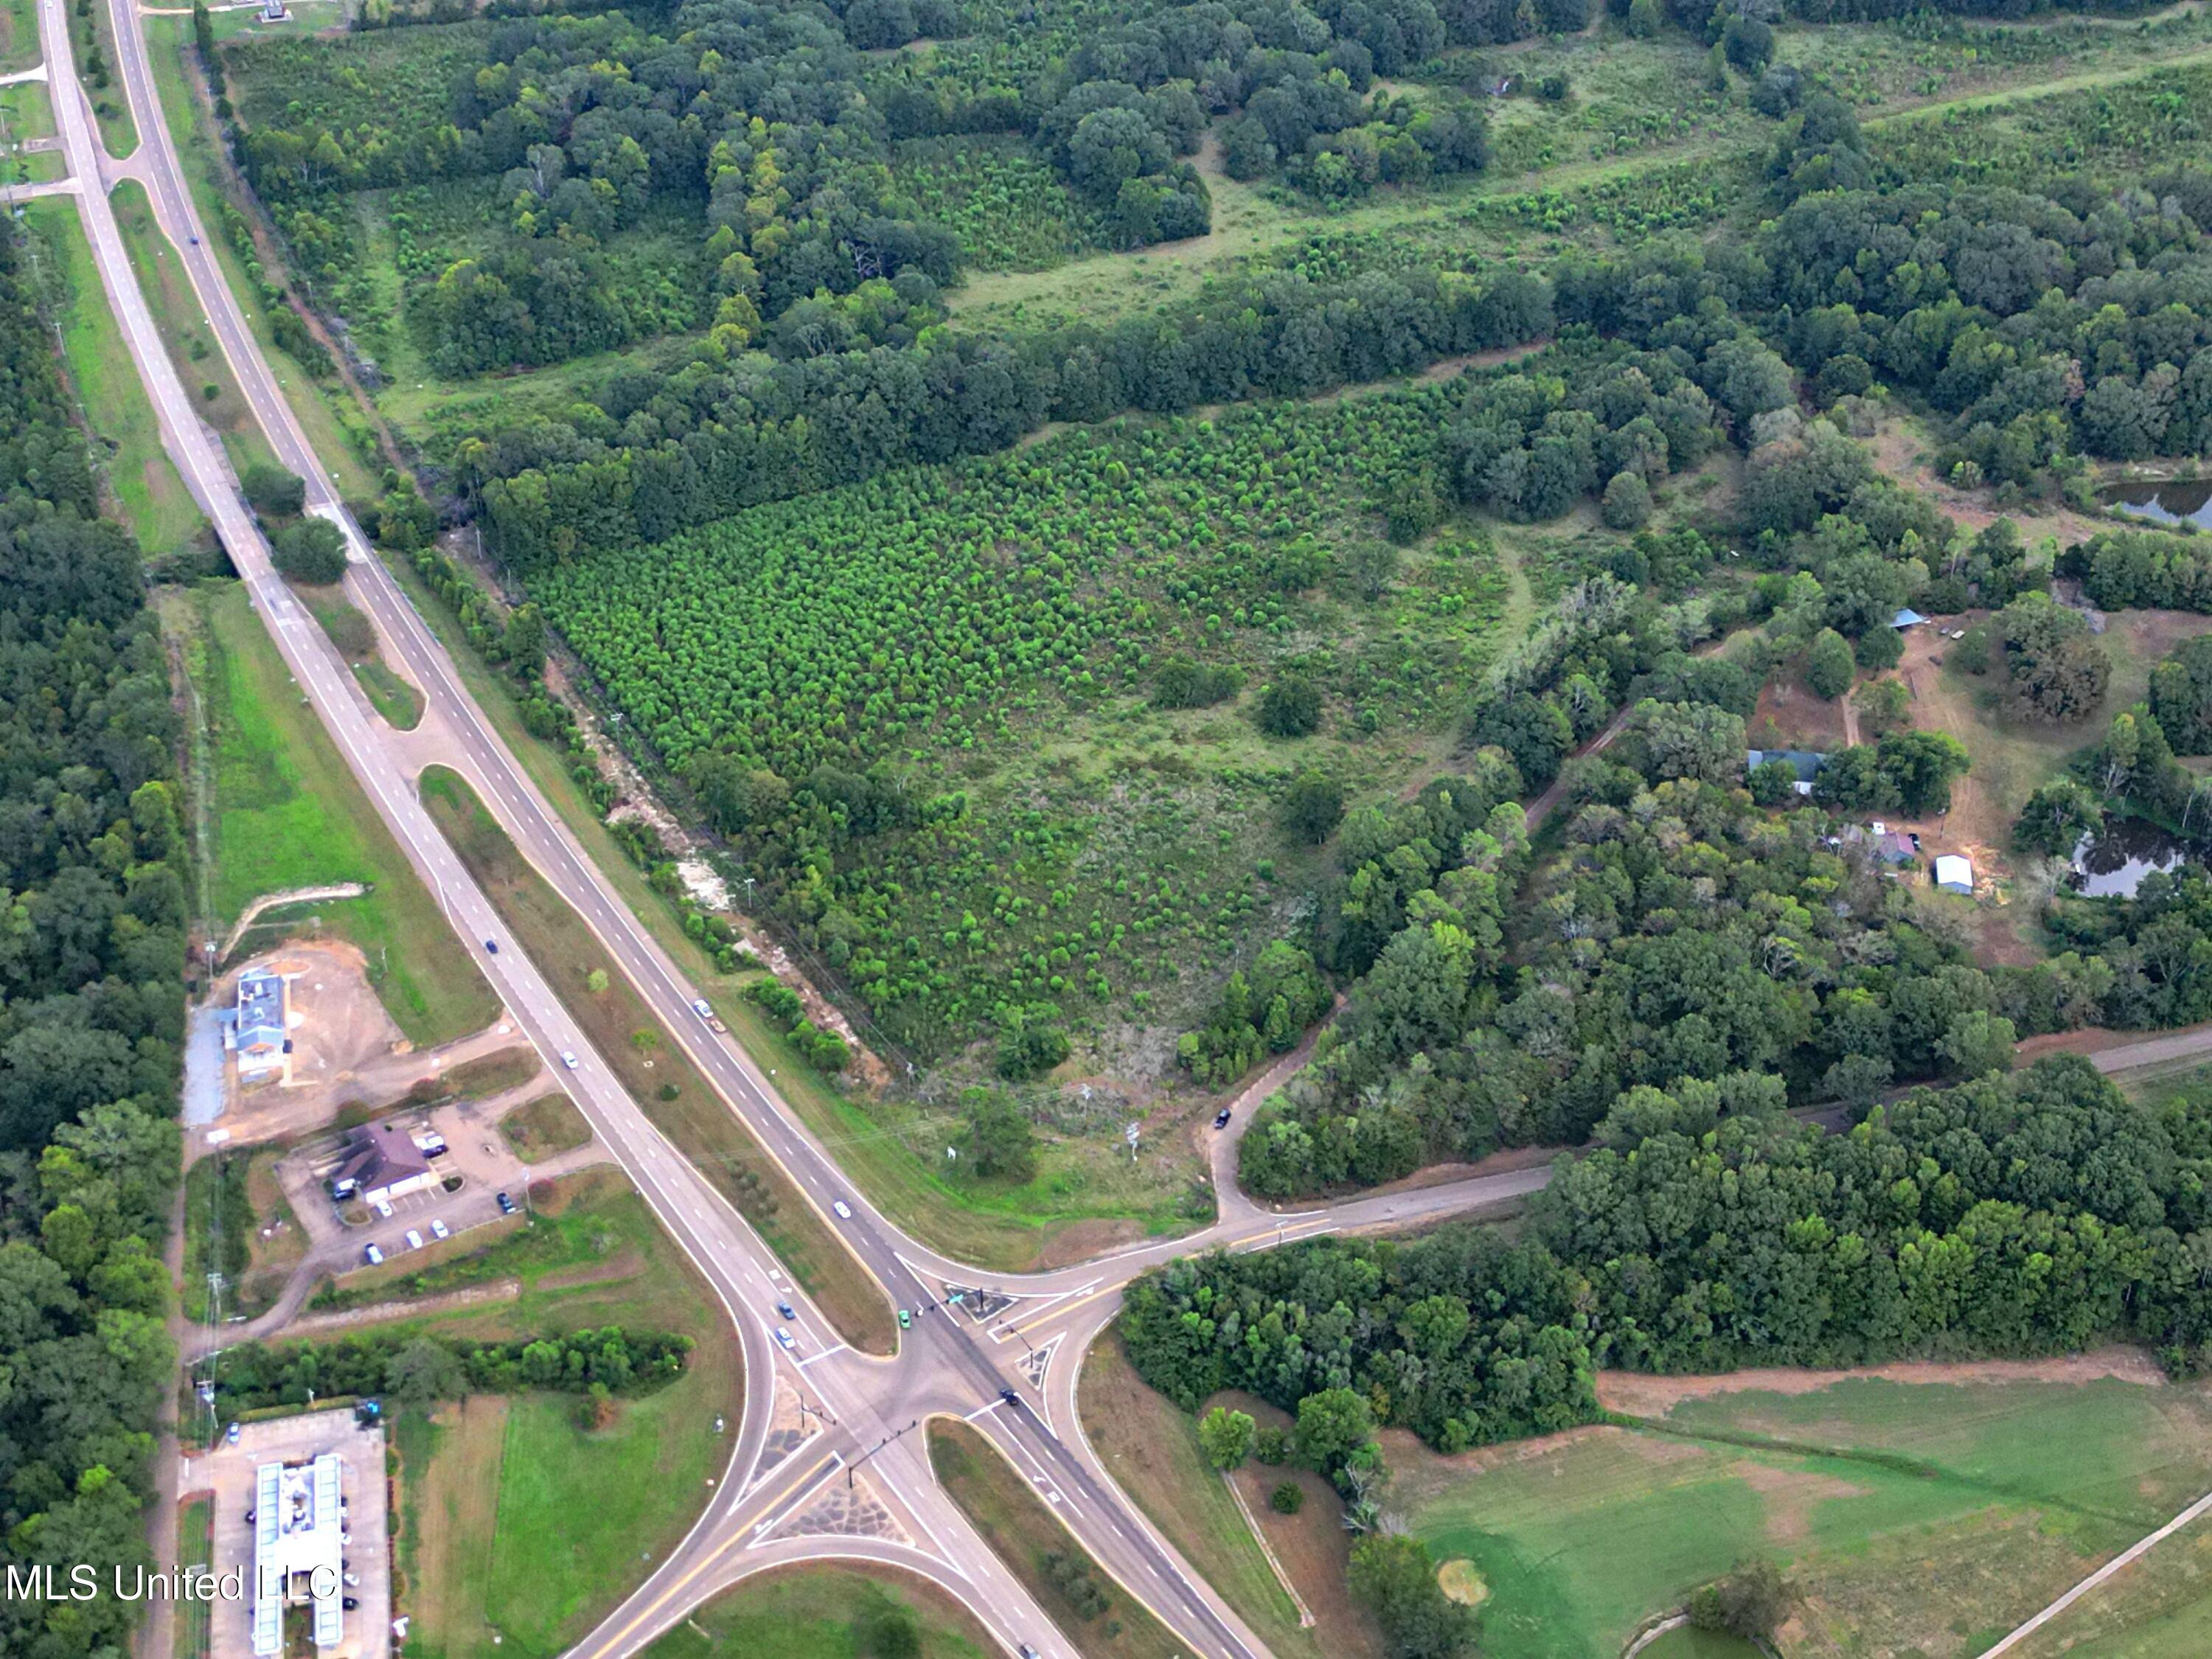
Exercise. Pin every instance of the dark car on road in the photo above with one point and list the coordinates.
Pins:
(506, 1205)
(1221, 1118)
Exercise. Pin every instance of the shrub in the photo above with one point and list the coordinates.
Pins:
(1287, 1499)
(1314, 808)
(273, 491)
(1627, 503)
(1829, 665)
(1290, 707)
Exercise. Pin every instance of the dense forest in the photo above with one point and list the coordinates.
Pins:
(2033, 1213)
(767, 130)
(92, 862)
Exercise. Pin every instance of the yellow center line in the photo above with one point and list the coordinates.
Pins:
(713, 1556)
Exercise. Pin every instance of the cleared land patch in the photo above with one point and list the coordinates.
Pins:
(287, 813)
(1907, 1515)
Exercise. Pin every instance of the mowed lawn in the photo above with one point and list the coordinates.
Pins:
(824, 1613)
(287, 813)
(1909, 1517)
(146, 485)
(519, 1529)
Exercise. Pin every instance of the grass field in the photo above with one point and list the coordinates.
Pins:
(545, 1128)
(2154, 1608)
(19, 35)
(92, 31)
(199, 361)
(229, 1200)
(147, 488)
(189, 1630)
(29, 113)
(519, 1529)
(287, 812)
(1684, 1643)
(1021, 1532)
(1152, 1449)
(824, 1613)
(1908, 1517)
(491, 1074)
(350, 629)
(703, 1125)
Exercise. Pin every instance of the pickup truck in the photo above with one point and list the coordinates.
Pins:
(701, 1007)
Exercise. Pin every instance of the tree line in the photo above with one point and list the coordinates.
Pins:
(255, 1376)
(93, 866)
(2009, 1216)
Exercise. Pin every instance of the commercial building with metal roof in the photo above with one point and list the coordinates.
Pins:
(299, 1550)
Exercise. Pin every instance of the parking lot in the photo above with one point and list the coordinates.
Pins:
(229, 1472)
(475, 1156)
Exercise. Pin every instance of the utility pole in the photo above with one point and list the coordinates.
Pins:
(873, 1450)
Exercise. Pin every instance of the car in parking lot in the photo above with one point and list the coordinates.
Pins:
(383, 1208)
(440, 1229)
(569, 1059)
(374, 1256)
(230, 1435)
(784, 1337)
(506, 1205)
(414, 1239)
(844, 1212)
(786, 1310)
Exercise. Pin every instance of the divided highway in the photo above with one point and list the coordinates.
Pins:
(861, 1410)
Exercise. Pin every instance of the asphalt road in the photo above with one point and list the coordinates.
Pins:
(869, 1408)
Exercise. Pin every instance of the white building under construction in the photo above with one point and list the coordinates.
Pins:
(299, 1550)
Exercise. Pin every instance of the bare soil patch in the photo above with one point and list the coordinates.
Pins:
(1791, 1495)
(1789, 716)
(1638, 1395)
(1079, 1241)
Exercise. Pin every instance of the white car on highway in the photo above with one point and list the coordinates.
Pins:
(569, 1059)
(844, 1212)
(784, 1337)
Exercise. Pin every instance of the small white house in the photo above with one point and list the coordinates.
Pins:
(1953, 874)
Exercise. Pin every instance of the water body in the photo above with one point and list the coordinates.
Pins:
(2183, 502)
(2114, 865)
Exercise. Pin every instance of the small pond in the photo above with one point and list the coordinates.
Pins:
(2113, 863)
(2182, 501)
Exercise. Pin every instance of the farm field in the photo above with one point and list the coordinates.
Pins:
(287, 813)
(147, 488)
(1126, 828)
(825, 1613)
(517, 1529)
(1928, 1516)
